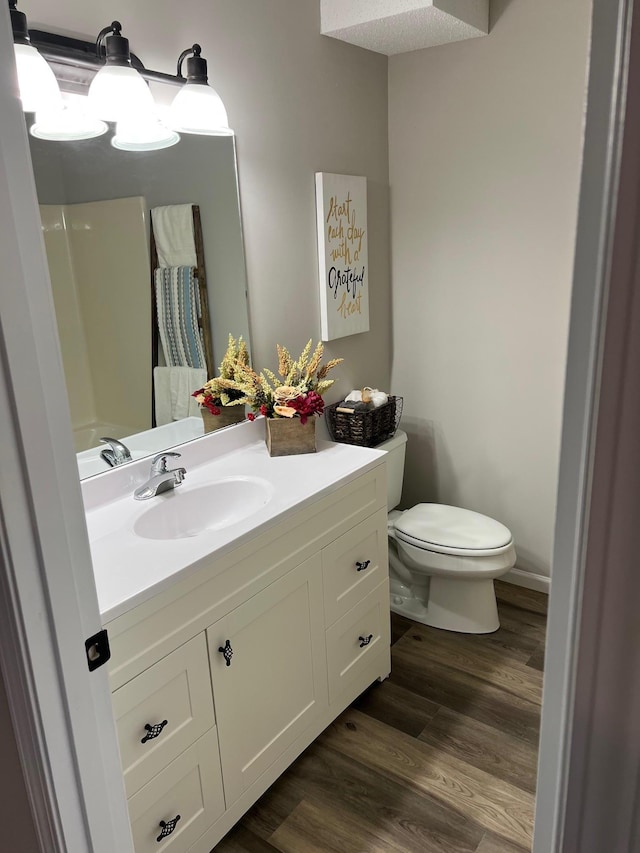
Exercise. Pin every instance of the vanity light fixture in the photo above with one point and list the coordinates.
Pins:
(118, 92)
(115, 82)
(198, 108)
(38, 86)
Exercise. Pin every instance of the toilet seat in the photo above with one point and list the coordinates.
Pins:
(451, 530)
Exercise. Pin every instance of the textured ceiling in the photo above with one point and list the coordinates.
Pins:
(399, 26)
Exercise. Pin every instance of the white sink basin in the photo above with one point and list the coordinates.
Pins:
(179, 514)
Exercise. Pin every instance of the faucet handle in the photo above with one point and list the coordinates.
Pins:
(159, 462)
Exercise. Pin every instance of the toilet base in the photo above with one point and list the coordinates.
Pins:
(466, 606)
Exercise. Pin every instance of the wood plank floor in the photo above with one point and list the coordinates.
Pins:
(440, 758)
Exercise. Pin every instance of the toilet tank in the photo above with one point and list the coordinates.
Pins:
(395, 449)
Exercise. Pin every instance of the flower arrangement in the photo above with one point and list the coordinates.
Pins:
(224, 389)
(296, 392)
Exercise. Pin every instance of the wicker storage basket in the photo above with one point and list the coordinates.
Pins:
(368, 428)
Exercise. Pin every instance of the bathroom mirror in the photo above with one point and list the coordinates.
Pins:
(98, 197)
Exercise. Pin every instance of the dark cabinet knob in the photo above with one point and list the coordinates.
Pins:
(227, 652)
(364, 641)
(153, 731)
(167, 828)
(362, 565)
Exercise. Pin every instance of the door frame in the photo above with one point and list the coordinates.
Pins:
(588, 785)
(61, 713)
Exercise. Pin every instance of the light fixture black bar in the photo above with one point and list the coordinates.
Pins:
(65, 54)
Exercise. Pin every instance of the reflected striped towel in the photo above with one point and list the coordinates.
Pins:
(178, 303)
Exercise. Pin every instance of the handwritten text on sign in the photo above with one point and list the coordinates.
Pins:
(342, 250)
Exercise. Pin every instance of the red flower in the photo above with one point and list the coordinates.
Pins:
(213, 409)
(264, 411)
(307, 404)
(251, 416)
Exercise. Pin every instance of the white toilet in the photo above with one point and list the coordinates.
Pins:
(443, 559)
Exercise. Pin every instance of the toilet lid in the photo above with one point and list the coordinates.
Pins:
(451, 530)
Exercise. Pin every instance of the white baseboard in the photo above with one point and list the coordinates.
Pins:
(518, 577)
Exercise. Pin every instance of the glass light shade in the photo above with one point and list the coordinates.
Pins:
(118, 92)
(66, 124)
(38, 86)
(197, 108)
(145, 134)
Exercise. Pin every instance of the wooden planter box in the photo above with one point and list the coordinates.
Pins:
(228, 415)
(288, 436)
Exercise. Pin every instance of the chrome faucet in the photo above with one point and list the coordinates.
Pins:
(116, 454)
(162, 479)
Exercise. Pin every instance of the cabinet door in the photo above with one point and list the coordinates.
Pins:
(275, 683)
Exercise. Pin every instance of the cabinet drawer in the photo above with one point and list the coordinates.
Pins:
(354, 565)
(173, 698)
(191, 787)
(361, 635)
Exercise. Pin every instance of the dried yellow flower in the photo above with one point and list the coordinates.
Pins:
(334, 362)
(304, 358)
(316, 358)
(324, 386)
(284, 360)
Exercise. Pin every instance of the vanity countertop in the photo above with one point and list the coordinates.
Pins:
(135, 548)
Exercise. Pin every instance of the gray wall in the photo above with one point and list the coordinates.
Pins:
(485, 149)
(299, 103)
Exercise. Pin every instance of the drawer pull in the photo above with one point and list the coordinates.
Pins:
(362, 565)
(364, 641)
(168, 827)
(227, 652)
(153, 731)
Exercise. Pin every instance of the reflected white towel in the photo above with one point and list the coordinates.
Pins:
(173, 389)
(173, 233)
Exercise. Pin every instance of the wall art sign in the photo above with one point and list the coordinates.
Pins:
(341, 210)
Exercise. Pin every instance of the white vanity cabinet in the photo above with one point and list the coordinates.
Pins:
(222, 679)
